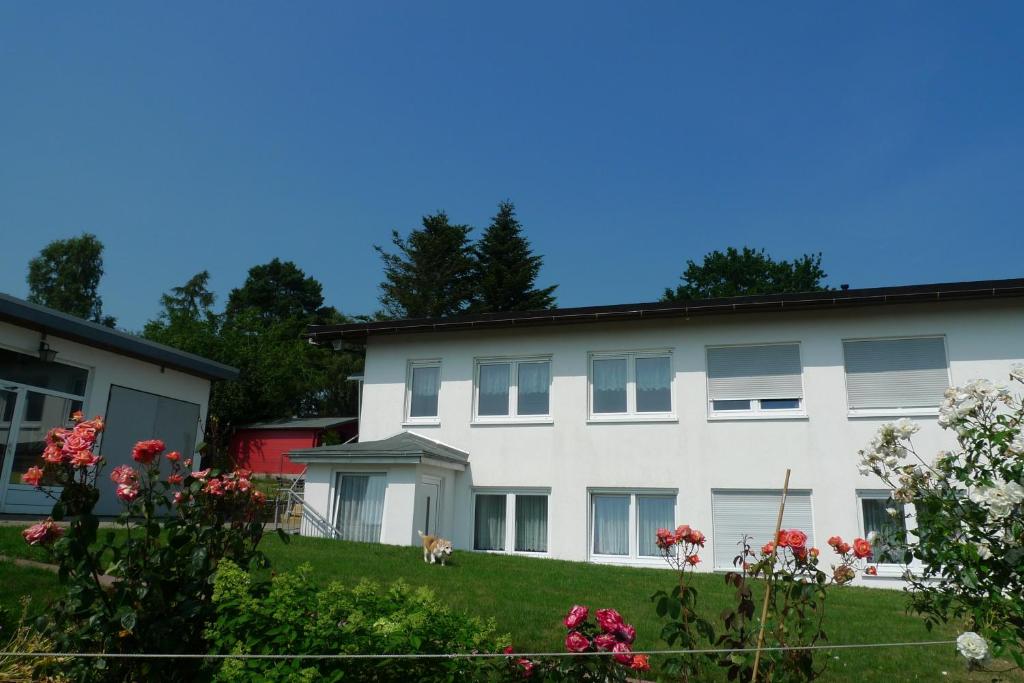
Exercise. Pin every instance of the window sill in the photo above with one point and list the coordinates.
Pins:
(422, 422)
(524, 420)
(893, 412)
(723, 417)
(627, 560)
(602, 419)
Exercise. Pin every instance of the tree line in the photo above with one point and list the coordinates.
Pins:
(435, 270)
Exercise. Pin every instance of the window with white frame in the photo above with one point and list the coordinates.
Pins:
(512, 389)
(884, 523)
(631, 384)
(762, 380)
(895, 375)
(359, 506)
(623, 525)
(422, 391)
(511, 521)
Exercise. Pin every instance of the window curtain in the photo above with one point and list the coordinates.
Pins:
(493, 389)
(489, 523)
(890, 532)
(611, 525)
(426, 381)
(360, 507)
(653, 513)
(653, 385)
(609, 382)
(533, 387)
(532, 523)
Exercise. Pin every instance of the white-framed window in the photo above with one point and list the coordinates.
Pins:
(631, 385)
(512, 390)
(422, 389)
(624, 524)
(755, 380)
(901, 376)
(510, 520)
(883, 521)
(359, 505)
(736, 513)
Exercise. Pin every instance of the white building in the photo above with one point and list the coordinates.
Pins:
(52, 364)
(576, 433)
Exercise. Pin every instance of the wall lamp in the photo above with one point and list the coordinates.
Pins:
(46, 354)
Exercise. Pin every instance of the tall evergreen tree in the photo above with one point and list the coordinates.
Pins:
(507, 269)
(432, 273)
(745, 273)
(66, 276)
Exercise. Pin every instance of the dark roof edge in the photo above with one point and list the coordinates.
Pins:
(69, 327)
(770, 303)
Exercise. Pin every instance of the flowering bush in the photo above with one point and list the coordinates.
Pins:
(290, 614)
(681, 550)
(177, 530)
(969, 540)
(608, 632)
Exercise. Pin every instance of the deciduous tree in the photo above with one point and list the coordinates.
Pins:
(747, 272)
(66, 276)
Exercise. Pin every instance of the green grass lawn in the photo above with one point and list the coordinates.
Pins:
(528, 598)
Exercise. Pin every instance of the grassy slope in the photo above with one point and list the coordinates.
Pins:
(528, 597)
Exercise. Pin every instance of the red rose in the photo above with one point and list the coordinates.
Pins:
(127, 493)
(32, 477)
(664, 539)
(43, 533)
(835, 541)
(173, 456)
(814, 552)
(692, 560)
(84, 458)
(623, 653)
(124, 474)
(147, 451)
(605, 641)
(861, 548)
(178, 498)
(796, 539)
(627, 633)
(696, 537)
(576, 616)
(508, 650)
(175, 479)
(783, 539)
(577, 642)
(682, 531)
(768, 548)
(53, 454)
(640, 663)
(527, 667)
(609, 620)
(843, 548)
(871, 571)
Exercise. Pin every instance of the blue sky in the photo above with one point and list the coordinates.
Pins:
(631, 136)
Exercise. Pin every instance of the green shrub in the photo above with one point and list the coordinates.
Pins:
(291, 615)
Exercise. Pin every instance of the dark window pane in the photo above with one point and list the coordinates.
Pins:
(731, 404)
(780, 403)
(25, 369)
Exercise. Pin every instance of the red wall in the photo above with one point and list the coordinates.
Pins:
(263, 450)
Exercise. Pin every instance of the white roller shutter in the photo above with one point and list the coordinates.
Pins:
(739, 512)
(749, 372)
(895, 373)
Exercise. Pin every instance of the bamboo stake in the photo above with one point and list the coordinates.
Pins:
(768, 585)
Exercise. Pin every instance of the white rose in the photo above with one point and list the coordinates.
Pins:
(972, 646)
(1017, 372)
(906, 428)
(892, 512)
(1017, 445)
(984, 552)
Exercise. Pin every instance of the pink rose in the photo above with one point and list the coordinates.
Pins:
(214, 487)
(147, 451)
(576, 642)
(692, 560)
(127, 493)
(124, 474)
(609, 620)
(527, 667)
(74, 443)
(85, 458)
(33, 476)
(53, 454)
(627, 633)
(605, 642)
(576, 616)
(623, 653)
(682, 531)
(243, 485)
(43, 533)
(697, 537)
(797, 539)
(861, 548)
(175, 479)
(201, 474)
(664, 539)
(178, 498)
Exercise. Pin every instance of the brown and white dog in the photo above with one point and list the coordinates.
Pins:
(435, 548)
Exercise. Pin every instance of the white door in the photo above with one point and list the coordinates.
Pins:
(429, 505)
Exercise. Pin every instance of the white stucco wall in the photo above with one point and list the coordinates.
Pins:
(105, 369)
(693, 454)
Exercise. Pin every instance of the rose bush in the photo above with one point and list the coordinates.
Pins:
(161, 568)
(969, 540)
(608, 632)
